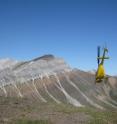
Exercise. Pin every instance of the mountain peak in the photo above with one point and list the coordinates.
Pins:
(46, 57)
(23, 71)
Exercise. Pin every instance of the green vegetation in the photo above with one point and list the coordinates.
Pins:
(24, 111)
(103, 117)
(32, 122)
(97, 116)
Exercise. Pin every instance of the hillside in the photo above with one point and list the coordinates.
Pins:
(49, 79)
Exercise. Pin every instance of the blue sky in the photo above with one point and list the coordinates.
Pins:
(71, 29)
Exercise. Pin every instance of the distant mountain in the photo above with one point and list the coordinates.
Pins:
(50, 78)
(12, 71)
(45, 57)
(92, 71)
(7, 63)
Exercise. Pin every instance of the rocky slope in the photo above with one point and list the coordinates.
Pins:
(50, 78)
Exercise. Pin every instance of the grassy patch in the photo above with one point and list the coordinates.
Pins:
(97, 116)
(31, 122)
(24, 111)
(104, 117)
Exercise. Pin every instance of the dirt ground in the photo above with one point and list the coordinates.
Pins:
(25, 111)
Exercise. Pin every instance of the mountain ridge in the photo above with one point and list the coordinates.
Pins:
(50, 78)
